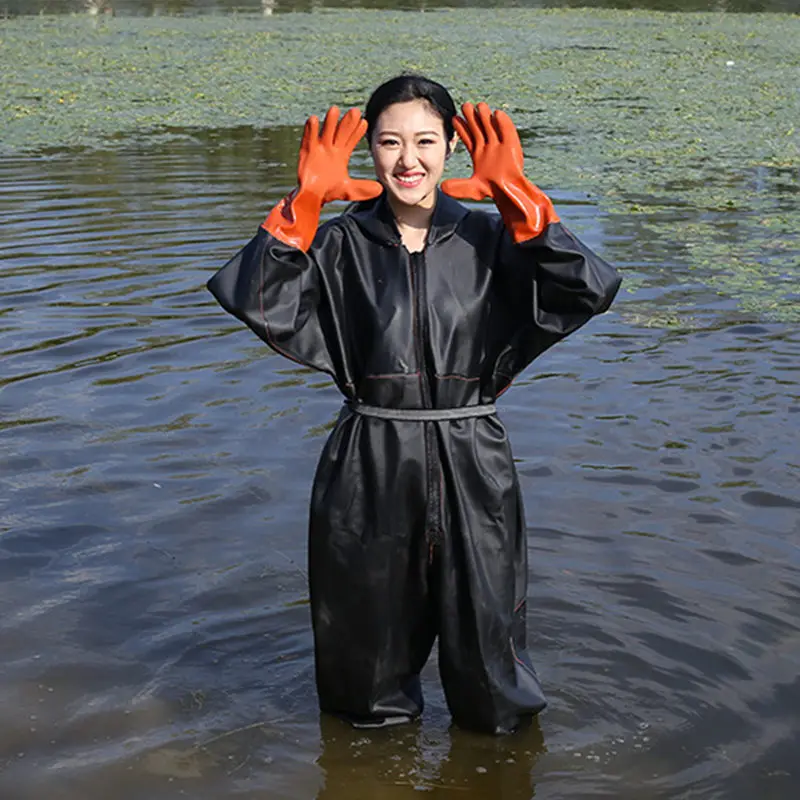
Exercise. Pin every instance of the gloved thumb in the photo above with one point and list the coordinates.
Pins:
(465, 189)
(358, 190)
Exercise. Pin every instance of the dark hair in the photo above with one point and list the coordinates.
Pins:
(408, 87)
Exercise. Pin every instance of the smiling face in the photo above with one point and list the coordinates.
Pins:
(409, 148)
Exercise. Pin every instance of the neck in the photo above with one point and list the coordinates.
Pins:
(411, 218)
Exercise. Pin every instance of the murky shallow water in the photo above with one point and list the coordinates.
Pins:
(156, 462)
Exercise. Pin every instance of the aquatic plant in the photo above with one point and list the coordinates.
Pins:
(682, 127)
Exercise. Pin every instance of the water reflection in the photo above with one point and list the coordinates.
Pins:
(400, 763)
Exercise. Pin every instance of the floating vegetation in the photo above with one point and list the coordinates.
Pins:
(683, 127)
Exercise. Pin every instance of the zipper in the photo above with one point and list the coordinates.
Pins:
(421, 321)
(433, 517)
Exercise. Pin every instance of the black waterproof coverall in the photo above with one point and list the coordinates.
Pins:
(416, 526)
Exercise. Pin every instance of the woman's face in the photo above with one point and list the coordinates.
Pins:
(409, 149)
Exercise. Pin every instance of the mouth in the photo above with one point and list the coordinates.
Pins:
(409, 180)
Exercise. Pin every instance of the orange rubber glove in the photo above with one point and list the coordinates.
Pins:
(322, 176)
(493, 143)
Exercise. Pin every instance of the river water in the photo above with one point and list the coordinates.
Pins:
(155, 464)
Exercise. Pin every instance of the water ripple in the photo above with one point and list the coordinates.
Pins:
(157, 460)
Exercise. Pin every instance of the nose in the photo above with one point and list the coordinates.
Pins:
(408, 156)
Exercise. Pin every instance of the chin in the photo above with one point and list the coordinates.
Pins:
(418, 197)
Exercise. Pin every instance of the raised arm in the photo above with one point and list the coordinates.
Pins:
(276, 283)
(498, 172)
(551, 280)
(322, 176)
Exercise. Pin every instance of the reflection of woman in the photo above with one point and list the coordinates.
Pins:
(402, 764)
(423, 312)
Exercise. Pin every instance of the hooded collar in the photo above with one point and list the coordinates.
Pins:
(376, 219)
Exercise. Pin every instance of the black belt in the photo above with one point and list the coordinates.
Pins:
(422, 414)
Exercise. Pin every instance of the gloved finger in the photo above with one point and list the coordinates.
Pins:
(509, 136)
(356, 190)
(506, 129)
(359, 129)
(464, 133)
(485, 119)
(329, 126)
(475, 129)
(465, 189)
(310, 132)
(346, 127)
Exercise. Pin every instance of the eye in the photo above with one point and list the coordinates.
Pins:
(427, 141)
(388, 141)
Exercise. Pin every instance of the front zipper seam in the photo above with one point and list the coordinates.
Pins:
(417, 264)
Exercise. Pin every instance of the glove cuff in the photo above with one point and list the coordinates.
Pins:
(526, 210)
(294, 221)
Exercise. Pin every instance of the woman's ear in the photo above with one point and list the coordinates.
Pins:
(451, 146)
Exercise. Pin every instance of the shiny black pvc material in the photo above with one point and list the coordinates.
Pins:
(416, 527)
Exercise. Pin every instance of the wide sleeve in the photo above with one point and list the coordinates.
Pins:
(550, 285)
(571, 283)
(279, 292)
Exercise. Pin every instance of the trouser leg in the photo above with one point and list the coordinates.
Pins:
(368, 574)
(489, 682)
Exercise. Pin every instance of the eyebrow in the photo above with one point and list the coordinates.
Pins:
(418, 133)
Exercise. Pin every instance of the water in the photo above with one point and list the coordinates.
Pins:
(156, 462)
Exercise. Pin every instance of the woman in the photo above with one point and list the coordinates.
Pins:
(423, 312)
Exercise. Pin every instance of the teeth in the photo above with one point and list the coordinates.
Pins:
(409, 179)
